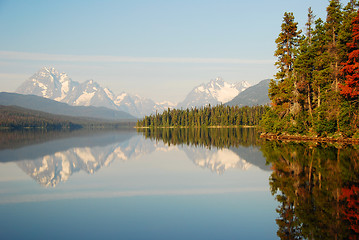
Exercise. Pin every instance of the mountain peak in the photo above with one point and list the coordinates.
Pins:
(48, 83)
(50, 70)
(218, 80)
(90, 81)
(214, 92)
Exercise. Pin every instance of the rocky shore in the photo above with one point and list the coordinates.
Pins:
(288, 137)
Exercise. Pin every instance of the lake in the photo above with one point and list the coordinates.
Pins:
(175, 184)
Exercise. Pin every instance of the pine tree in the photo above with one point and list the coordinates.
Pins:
(281, 93)
(304, 66)
(333, 24)
(287, 43)
(309, 26)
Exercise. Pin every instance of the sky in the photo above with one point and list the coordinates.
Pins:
(155, 49)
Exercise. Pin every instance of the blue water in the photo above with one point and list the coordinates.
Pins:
(129, 187)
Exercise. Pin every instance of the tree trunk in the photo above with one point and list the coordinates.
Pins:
(310, 105)
(336, 75)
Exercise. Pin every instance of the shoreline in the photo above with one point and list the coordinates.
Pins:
(271, 136)
(196, 127)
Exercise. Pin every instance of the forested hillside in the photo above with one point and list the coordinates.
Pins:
(54, 107)
(252, 96)
(317, 84)
(14, 117)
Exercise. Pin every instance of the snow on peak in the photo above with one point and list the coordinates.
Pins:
(84, 99)
(244, 85)
(120, 98)
(214, 92)
(170, 104)
(200, 89)
(50, 70)
(218, 81)
(109, 94)
(49, 83)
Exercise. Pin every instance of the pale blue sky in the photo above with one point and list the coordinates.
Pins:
(157, 49)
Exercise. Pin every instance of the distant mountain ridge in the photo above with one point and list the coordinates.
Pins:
(54, 107)
(215, 92)
(252, 96)
(49, 83)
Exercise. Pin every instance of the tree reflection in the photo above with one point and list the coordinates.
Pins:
(204, 137)
(316, 186)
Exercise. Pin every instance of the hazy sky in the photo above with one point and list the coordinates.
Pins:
(156, 49)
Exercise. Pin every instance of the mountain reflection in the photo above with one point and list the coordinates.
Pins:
(317, 187)
(217, 149)
(217, 161)
(51, 159)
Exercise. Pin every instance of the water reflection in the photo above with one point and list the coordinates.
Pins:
(53, 158)
(129, 187)
(317, 187)
(207, 137)
(217, 149)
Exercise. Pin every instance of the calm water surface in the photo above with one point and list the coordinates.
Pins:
(173, 184)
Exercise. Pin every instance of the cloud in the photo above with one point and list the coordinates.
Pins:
(23, 198)
(27, 56)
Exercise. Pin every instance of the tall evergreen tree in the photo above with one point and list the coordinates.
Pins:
(284, 93)
(287, 43)
(333, 24)
(304, 66)
(309, 25)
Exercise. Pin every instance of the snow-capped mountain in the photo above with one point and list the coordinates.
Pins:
(139, 106)
(49, 83)
(215, 92)
(89, 93)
